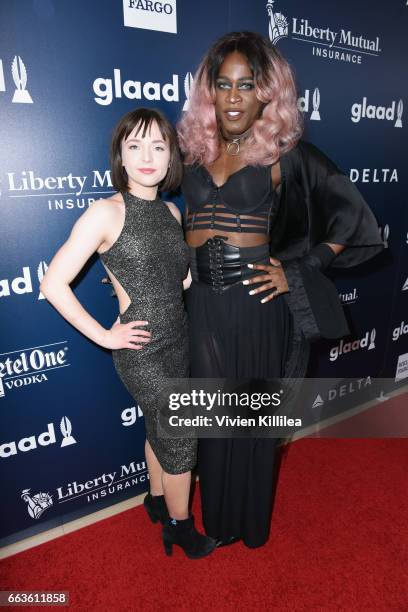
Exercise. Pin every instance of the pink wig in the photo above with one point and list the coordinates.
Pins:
(280, 125)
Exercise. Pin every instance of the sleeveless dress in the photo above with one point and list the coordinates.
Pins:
(150, 260)
(233, 335)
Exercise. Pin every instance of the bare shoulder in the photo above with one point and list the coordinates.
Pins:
(174, 211)
(109, 206)
(101, 216)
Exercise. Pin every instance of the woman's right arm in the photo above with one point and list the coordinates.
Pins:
(88, 233)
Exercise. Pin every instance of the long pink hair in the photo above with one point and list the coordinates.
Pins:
(280, 125)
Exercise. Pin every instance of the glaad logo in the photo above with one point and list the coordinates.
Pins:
(355, 345)
(385, 234)
(23, 284)
(402, 367)
(188, 85)
(370, 111)
(30, 366)
(151, 15)
(129, 416)
(303, 104)
(348, 47)
(41, 270)
(44, 439)
(36, 504)
(105, 90)
(19, 74)
(400, 330)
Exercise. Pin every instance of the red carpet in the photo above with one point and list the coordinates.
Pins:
(339, 541)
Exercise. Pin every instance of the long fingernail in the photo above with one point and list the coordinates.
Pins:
(252, 292)
(263, 301)
(250, 265)
(245, 282)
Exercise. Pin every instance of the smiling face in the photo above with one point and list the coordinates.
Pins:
(236, 104)
(145, 157)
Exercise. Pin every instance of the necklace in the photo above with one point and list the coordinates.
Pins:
(233, 146)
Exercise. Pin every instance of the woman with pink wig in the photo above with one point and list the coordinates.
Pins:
(266, 213)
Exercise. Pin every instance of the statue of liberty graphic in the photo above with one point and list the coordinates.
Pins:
(278, 25)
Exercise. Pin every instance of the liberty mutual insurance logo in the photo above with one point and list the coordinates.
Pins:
(342, 45)
(19, 74)
(36, 504)
(90, 490)
(278, 26)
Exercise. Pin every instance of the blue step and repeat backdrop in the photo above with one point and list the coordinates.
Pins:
(71, 438)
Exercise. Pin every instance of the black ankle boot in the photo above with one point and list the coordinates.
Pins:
(156, 508)
(184, 534)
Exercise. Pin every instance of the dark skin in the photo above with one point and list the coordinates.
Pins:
(236, 108)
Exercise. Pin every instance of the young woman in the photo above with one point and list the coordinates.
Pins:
(253, 189)
(140, 241)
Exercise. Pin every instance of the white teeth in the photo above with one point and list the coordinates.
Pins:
(233, 113)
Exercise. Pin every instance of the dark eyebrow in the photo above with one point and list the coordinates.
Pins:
(247, 78)
(138, 140)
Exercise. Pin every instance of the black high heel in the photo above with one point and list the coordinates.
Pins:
(184, 534)
(156, 508)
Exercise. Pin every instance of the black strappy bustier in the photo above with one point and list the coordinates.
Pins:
(246, 202)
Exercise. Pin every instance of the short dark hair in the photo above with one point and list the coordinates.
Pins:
(143, 118)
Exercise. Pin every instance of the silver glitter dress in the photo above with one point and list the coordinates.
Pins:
(150, 260)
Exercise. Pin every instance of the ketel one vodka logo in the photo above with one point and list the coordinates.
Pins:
(303, 104)
(26, 367)
(367, 341)
(19, 74)
(43, 439)
(36, 504)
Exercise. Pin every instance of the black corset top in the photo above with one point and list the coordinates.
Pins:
(246, 202)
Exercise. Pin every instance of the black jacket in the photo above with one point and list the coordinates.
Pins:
(318, 203)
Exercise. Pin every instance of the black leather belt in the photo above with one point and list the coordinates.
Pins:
(223, 265)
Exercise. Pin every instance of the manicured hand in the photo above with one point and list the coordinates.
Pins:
(272, 277)
(127, 335)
